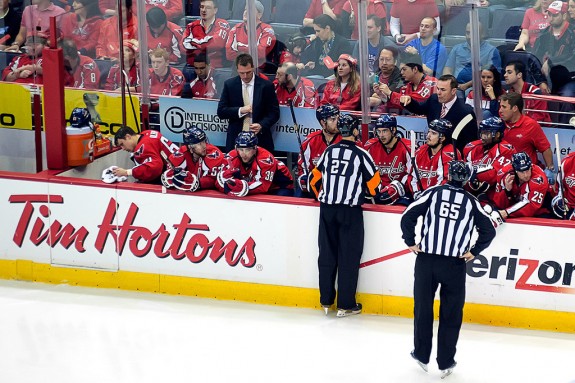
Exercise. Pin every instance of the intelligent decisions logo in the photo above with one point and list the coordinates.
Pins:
(176, 119)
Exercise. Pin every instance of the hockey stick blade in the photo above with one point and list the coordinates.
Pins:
(464, 121)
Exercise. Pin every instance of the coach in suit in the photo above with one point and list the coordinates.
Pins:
(445, 104)
(249, 103)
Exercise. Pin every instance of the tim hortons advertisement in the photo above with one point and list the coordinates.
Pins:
(244, 240)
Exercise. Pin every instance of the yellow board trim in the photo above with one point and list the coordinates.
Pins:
(273, 295)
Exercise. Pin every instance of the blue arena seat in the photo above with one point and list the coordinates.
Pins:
(455, 23)
(504, 19)
(239, 5)
(287, 12)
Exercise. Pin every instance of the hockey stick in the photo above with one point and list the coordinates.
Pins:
(559, 170)
(464, 121)
(296, 126)
(412, 155)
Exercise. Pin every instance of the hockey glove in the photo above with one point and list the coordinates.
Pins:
(559, 207)
(496, 218)
(390, 193)
(186, 181)
(167, 178)
(550, 174)
(303, 183)
(226, 175)
(239, 188)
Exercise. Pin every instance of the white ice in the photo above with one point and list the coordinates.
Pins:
(60, 334)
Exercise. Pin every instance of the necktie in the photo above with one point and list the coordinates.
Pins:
(247, 117)
(443, 111)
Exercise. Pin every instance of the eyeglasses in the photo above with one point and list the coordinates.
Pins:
(386, 60)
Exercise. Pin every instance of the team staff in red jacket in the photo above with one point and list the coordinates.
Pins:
(345, 90)
(150, 152)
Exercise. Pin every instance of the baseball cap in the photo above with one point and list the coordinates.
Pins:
(132, 44)
(332, 64)
(259, 6)
(557, 7)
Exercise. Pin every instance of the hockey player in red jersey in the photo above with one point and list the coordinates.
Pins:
(431, 158)
(564, 203)
(292, 87)
(150, 152)
(238, 39)
(165, 80)
(487, 156)
(207, 35)
(252, 170)
(195, 165)
(315, 144)
(391, 155)
(521, 188)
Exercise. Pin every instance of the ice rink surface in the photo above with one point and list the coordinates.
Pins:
(60, 334)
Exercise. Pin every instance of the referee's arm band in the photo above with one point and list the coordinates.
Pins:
(373, 183)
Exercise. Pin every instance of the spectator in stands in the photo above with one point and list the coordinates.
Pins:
(326, 43)
(36, 20)
(27, 67)
(9, 24)
(108, 46)
(174, 9)
(406, 16)
(108, 7)
(349, 17)
(249, 103)
(331, 8)
(207, 35)
(238, 38)
(375, 43)
(564, 86)
(388, 74)
(535, 21)
(164, 34)
(114, 79)
(571, 10)
(204, 85)
(556, 44)
(459, 59)
(433, 54)
(165, 80)
(525, 133)
(345, 90)
(418, 85)
(445, 104)
(514, 74)
(290, 87)
(81, 71)
(490, 92)
(83, 26)
(295, 46)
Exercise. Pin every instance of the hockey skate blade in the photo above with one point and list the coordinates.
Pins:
(447, 372)
(421, 364)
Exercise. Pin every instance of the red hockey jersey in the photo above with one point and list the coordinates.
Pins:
(171, 85)
(19, 62)
(170, 39)
(302, 95)
(174, 9)
(238, 41)
(151, 155)
(206, 168)
(313, 147)
(342, 98)
(498, 156)
(114, 79)
(423, 91)
(568, 179)
(525, 200)
(393, 165)
(85, 36)
(264, 174)
(537, 107)
(211, 41)
(86, 75)
(432, 169)
(108, 44)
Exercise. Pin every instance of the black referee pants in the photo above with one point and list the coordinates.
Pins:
(340, 247)
(431, 271)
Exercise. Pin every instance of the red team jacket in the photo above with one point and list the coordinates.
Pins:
(433, 170)
(423, 91)
(313, 147)
(287, 56)
(151, 155)
(393, 166)
(114, 79)
(171, 85)
(527, 136)
(204, 89)
(211, 42)
(20, 61)
(568, 179)
(86, 75)
(170, 39)
(206, 169)
(85, 36)
(525, 200)
(344, 99)
(498, 156)
(264, 174)
(302, 95)
(238, 41)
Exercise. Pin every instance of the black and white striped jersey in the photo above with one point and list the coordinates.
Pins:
(346, 172)
(450, 214)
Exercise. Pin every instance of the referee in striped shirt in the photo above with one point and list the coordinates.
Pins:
(342, 176)
(450, 215)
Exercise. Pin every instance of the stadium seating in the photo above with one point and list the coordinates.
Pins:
(504, 19)
(455, 23)
(238, 7)
(287, 12)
